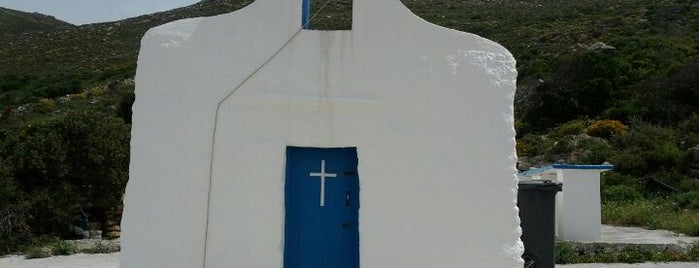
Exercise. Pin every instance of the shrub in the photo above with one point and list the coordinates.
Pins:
(671, 98)
(595, 151)
(14, 216)
(79, 96)
(126, 103)
(689, 129)
(45, 105)
(522, 128)
(613, 178)
(620, 193)
(562, 146)
(94, 92)
(14, 228)
(63, 248)
(531, 145)
(607, 129)
(655, 146)
(629, 163)
(67, 163)
(566, 254)
(688, 200)
(573, 127)
(693, 230)
(665, 156)
(680, 182)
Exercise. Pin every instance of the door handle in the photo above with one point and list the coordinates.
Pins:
(347, 225)
(348, 199)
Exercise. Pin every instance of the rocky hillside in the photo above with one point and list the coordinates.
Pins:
(16, 22)
(100, 47)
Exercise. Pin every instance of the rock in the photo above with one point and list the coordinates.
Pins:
(578, 47)
(522, 165)
(96, 234)
(599, 46)
(112, 235)
(526, 96)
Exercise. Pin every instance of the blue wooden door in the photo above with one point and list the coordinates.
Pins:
(322, 205)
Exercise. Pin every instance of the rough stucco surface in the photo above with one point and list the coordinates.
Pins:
(429, 109)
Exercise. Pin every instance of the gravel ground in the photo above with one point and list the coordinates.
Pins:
(73, 261)
(112, 261)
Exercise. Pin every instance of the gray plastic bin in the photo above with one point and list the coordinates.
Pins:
(537, 213)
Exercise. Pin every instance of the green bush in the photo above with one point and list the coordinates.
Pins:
(63, 248)
(672, 98)
(620, 193)
(678, 181)
(522, 128)
(565, 254)
(666, 156)
(14, 216)
(595, 151)
(629, 163)
(693, 230)
(45, 105)
(573, 127)
(531, 145)
(14, 228)
(125, 104)
(61, 165)
(688, 200)
(647, 149)
(561, 145)
(612, 178)
(578, 85)
(689, 129)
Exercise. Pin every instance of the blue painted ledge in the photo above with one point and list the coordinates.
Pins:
(564, 166)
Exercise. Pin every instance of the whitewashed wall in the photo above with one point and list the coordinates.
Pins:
(428, 108)
(579, 205)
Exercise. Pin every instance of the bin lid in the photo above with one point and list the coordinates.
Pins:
(541, 185)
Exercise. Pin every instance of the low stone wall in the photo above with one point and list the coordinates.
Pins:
(95, 245)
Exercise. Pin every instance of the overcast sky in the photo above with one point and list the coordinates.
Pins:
(90, 11)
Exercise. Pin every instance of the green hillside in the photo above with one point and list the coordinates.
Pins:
(599, 81)
(13, 22)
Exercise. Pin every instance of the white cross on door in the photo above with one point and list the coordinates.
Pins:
(322, 176)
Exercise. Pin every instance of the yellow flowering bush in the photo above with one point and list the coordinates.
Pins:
(606, 129)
